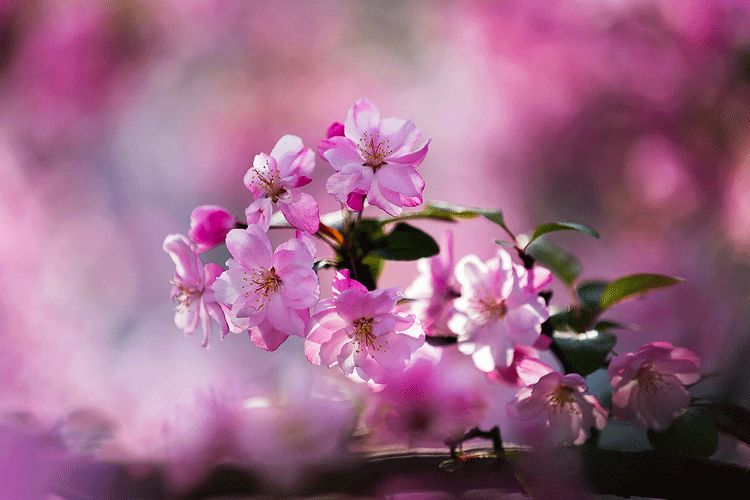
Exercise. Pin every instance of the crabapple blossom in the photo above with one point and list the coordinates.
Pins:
(271, 290)
(554, 409)
(497, 310)
(427, 403)
(191, 290)
(375, 159)
(209, 225)
(361, 332)
(648, 385)
(275, 179)
(435, 289)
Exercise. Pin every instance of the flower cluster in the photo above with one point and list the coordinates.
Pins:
(406, 346)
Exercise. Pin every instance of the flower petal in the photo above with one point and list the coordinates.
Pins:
(250, 247)
(301, 211)
(352, 178)
(362, 121)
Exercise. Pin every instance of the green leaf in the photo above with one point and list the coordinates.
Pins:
(550, 227)
(633, 285)
(585, 352)
(406, 242)
(606, 324)
(558, 260)
(590, 293)
(439, 210)
(504, 243)
(495, 216)
(694, 433)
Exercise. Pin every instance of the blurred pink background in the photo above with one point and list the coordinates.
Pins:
(118, 117)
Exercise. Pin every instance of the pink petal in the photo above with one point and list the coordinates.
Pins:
(330, 349)
(414, 159)
(259, 213)
(188, 264)
(266, 337)
(301, 211)
(217, 313)
(402, 179)
(300, 288)
(472, 274)
(250, 247)
(295, 170)
(362, 121)
(342, 281)
(282, 318)
(525, 322)
(339, 152)
(287, 145)
(530, 370)
(187, 318)
(353, 178)
(387, 200)
(307, 240)
(401, 134)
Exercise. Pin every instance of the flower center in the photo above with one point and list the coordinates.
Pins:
(363, 335)
(184, 295)
(270, 182)
(262, 282)
(491, 309)
(562, 397)
(373, 152)
(649, 379)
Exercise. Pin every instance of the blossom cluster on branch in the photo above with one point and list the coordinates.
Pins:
(400, 343)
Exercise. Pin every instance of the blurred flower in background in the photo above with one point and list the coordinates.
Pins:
(119, 117)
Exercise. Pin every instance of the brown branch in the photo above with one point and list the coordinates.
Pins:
(562, 473)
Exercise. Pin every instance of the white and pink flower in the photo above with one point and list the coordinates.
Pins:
(554, 409)
(191, 290)
(361, 332)
(498, 309)
(435, 289)
(271, 290)
(648, 385)
(376, 160)
(275, 179)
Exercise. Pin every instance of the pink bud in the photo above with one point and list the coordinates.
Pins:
(335, 129)
(356, 201)
(209, 225)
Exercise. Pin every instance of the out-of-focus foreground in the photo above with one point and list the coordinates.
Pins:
(118, 117)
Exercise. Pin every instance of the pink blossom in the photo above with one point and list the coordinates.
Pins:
(272, 291)
(427, 403)
(209, 225)
(521, 360)
(497, 310)
(648, 385)
(191, 289)
(361, 332)
(276, 179)
(435, 289)
(377, 159)
(555, 409)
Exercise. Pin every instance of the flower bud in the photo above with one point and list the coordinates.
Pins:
(209, 225)
(335, 129)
